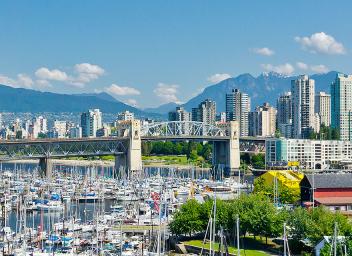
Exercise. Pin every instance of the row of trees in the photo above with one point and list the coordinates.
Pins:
(325, 133)
(259, 217)
(191, 149)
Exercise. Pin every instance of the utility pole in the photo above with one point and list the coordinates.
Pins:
(238, 235)
(285, 239)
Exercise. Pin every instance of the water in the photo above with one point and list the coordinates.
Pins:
(83, 211)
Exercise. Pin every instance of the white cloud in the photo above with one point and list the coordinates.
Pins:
(322, 43)
(265, 51)
(319, 68)
(131, 102)
(54, 74)
(302, 65)
(22, 80)
(43, 83)
(216, 78)
(121, 90)
(315, 68)
(86, 73)
(285, 69)
(167, 92)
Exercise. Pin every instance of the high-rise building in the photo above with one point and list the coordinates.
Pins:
(125, 116)
(206, 112)
(303, 118)
(221, 117)
(60, 128)
(341, 105)
(238, 106)
(284, 114)
(323, 107)
(42, 124)
(180, 114)
(75, 132)
(262, 121)
(91, 121)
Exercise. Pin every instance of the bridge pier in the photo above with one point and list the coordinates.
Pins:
(130, 161)
(46, 167)
(120, 166)
(226, 154)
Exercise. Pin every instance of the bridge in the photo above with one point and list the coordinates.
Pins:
(126, 146)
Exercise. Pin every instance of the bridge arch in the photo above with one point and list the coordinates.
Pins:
(179, 128)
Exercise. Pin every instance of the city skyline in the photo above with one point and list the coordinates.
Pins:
(129, 50)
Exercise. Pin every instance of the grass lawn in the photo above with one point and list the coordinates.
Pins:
(180, 160)
(232, 250)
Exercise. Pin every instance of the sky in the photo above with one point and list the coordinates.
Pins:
(146, 53)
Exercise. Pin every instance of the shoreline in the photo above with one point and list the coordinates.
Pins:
(105, 163)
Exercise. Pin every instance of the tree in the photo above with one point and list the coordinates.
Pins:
(42, 135)
(187, 220)
(286, 195)
(258, 161)
(193, 155)
(206, 151)
(313, 224)
(168, 148)
(146, 148)
(178, 149)
(277, 133)
(335, 134)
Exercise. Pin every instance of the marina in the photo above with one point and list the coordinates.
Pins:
(91, 210)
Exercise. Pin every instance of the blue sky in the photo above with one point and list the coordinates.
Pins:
(147, 53)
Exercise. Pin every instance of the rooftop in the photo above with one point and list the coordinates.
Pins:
(331, 180)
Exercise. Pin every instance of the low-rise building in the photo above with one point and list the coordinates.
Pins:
(333, 190)
(311, 154)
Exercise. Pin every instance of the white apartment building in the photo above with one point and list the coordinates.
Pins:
(125, 116)
(303, 118)
(262, 121)
(61, 128)
(323, 107)
(91, 121)
(206, 112)
(341, 105)
(42, 123)
(311, 154)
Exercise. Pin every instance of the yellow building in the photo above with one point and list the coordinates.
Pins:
(287, 178)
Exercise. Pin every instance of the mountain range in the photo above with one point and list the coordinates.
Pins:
(266, 87)
(27, 100)
(263, 88)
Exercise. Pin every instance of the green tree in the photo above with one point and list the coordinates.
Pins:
(187, 220)
(335, 134)
(206, 151)
(178, 149)
(146, 148)
(168, 148)
(258, 161)
(193, 156)
(286, 195)
(42, 135)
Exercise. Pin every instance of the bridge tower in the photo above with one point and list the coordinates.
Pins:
(46, 167)
(226, 154)
(132, 160)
